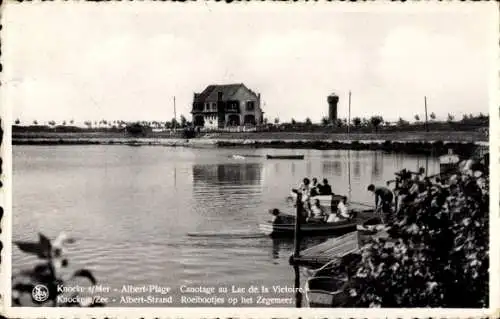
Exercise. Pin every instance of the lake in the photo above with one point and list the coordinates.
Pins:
(177, 217)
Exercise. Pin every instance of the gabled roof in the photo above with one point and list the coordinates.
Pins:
(211, 93)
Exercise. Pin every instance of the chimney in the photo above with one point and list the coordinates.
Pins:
(219, 96)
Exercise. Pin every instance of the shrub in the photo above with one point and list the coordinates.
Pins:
(437, 254)
(45, 277)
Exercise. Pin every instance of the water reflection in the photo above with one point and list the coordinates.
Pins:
(356, 171)
(234, 173)
(377, 167)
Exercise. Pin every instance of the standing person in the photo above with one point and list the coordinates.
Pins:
(383, 198)
(326, 189)
(314, 187)
(305, 189)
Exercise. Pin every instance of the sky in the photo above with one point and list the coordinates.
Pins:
(126, 61)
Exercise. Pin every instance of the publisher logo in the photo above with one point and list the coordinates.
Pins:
(40, 293)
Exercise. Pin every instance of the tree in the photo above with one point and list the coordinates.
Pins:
(88, 124)
(35, 122)
(376, 121)
(52, 123)
(174, 123)
(72, 122)
(293, 121)
(183, 121)
(356, 122)
(64, 123)
(433, 116)
(265, 120)
(276, 121)
(324, 121)
(17, 122)
(402, 122)
(308, 121)
(417, 118)
(450, 117)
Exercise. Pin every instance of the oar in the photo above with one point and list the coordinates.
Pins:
(363, 204)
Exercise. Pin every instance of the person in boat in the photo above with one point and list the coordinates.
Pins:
(383, 198)
(342, 210)
(314, 187)
(305, 190)
(278, 217)
(325, 189)
(316, 213)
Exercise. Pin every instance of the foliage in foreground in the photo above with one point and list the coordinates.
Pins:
(437, 255)
(49, 273)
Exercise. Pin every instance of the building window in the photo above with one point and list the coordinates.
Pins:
(250, 106)
(233, 106)
(214, 106)
(207, 106)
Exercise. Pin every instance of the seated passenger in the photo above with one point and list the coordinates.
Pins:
(343, 212)
(333, 217)
(317, 213)
(325, 189)
(314, 187)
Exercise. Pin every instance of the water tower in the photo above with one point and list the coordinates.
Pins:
(333, 100)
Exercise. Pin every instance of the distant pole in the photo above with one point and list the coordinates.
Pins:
(175, 116)
(426, 124)
(349, 118)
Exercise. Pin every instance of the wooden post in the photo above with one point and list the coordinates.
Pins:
(426, 123)
(296, 253)
(396, 186)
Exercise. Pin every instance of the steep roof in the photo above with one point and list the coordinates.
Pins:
(211, 93)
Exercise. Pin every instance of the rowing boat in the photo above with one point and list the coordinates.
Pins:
(289, 157)
(324, 200)
(286, 225)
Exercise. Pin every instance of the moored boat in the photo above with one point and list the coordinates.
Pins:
(286, 226)
(289, 157)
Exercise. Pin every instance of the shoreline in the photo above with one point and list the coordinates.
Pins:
(430, 147)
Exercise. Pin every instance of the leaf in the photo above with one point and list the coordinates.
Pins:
(86, 274)
(45, 243)
(31, 248)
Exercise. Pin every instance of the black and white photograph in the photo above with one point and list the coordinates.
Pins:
(284, 156)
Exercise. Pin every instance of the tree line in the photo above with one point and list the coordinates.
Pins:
(356, 123)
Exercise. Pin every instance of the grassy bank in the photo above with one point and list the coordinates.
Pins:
(452, 136)
(433, 143)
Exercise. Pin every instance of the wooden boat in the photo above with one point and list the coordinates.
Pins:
(289, 157)
(286, 226)
(324, 292)
(324, 200)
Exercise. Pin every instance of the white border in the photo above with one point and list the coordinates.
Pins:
(493, 311)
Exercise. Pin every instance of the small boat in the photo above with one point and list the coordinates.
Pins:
(288, 157)
(286, 226)
(134, 143)
(324, 200)
(325, 292)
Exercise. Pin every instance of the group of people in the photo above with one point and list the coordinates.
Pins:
(309, 189)
(313, 211)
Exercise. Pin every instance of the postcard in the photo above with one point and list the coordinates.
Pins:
(249, 160)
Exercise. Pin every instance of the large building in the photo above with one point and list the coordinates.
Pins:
(333, 100)
(220, 106)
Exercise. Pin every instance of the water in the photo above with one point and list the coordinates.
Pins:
(177, 216)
